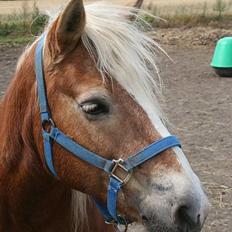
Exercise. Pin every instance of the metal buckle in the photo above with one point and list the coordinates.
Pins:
(119, 164)
(47, 125)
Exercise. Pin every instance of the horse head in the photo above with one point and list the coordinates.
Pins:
(102, 90)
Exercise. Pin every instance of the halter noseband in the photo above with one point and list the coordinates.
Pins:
(52, 133)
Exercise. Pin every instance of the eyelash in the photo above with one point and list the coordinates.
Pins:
(95, 108)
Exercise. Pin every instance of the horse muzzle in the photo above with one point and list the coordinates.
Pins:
(172, 210)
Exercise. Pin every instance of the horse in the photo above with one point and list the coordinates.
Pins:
(84, 99)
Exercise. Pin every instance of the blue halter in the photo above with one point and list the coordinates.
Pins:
(111, 167)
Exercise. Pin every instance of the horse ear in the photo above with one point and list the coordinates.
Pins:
(69, 27)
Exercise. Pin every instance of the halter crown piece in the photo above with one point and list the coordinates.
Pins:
(53, 134)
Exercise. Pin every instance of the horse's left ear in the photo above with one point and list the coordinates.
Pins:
(68, 28)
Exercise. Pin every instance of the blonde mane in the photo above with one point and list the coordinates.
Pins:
(124, 52)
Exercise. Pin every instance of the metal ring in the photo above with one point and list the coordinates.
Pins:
(47, 125)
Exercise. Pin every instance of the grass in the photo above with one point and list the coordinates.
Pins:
(218, 14)
(188, 21)
(16, 40)
(21, 28)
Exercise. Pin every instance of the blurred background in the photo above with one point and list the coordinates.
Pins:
(23, 18)
(168, 6)
(198, 102)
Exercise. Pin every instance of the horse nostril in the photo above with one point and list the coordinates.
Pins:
(187, 217)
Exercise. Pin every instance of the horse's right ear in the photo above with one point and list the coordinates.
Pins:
(68, 28)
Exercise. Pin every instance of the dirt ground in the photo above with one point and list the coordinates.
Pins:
(199, 108)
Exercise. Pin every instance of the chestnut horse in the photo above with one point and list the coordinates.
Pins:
(102, 90)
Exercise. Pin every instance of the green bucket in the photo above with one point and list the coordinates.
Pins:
(222, 58)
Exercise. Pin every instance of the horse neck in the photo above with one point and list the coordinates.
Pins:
(28, 195)
(13, 109)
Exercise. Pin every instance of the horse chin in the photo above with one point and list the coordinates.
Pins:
(137, 227)
(154, 226)
(159, 226)
(151, 227)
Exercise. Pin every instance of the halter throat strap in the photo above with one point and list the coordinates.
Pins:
(52, 134)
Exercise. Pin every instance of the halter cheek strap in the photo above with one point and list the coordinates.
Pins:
(52, 134)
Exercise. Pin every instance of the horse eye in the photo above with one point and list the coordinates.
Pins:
(95, 107)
